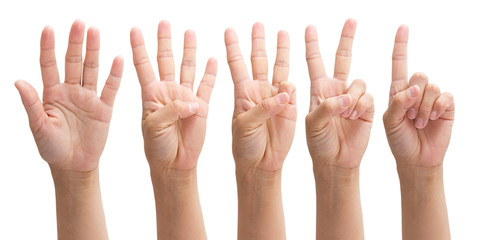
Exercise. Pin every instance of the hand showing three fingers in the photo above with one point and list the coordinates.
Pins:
(419, 119)
(70, 127)
(264, 117)
(174, 118)
(340, 119)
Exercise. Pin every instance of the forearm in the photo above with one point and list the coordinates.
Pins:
(338, 204)
(178, 211)
(79, 208)
(260, 210)
(424, 211)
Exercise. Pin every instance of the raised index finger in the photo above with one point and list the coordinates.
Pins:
(234, 57)
(144, 70)
(316, 69)
(399, 71)
(49, 70)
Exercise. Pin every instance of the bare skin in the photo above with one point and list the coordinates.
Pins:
(70, 128)
(174, 124)
(338, 128)
(418, 126)
(263, 127)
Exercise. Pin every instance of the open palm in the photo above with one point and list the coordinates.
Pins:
(174, 118)
(419, 119)
(71, 126)
(340, 119)
(264, 118)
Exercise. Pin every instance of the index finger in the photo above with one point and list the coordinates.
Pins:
(316, 69)
(49, 70)
(234, 57)
(399, 71)
(144, 70)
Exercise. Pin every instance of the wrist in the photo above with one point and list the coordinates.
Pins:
(75, 181)
(257, 179)
(418, 177)
(174, 180)
(336, 177)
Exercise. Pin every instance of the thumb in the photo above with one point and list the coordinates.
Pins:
(31, 102)
(400, 103)
(169, 114)
(266, 109)
(333, 106)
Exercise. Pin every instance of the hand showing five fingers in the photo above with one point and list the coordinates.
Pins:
(174, 118)
(340, 118)
(419, 119)
(264, 118)
(70, 127)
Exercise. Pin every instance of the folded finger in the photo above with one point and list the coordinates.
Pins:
(355, 90)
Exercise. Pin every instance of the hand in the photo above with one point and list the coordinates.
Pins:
(174, 119)
(340, 118)
(419, 119)
(70, 127)
(264, 117)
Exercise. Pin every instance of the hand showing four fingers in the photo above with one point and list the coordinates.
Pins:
(419, 119)
(174, 118)
(264, 117)
(71, 125)
(339, 123)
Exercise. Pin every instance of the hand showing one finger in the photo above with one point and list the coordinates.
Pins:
(419, 119)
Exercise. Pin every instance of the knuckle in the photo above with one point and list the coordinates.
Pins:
(281, 63)
(399, 100)
(235, 58)
(258, 53)
(313, 56)
(346, 53)
(188, 63)
(167, 53)
(74, 58)
(432, 88)
(420, 76)
(425, 110)
(48, 63)
(326, 105)
(91, 64)
(361, 83)
(266, 105)
(141, 61)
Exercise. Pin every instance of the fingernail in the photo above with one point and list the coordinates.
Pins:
(420, 123)
(193, 107)
(412, 91)
(281, 99)
(412, 113)
(354, 114)
(433, 115)
(344, 101)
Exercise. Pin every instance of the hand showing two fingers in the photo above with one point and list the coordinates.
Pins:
(174, 118)
(419, 119)
(340, 118)
(264, 117)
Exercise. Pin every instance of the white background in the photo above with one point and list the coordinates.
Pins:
(442, 44)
